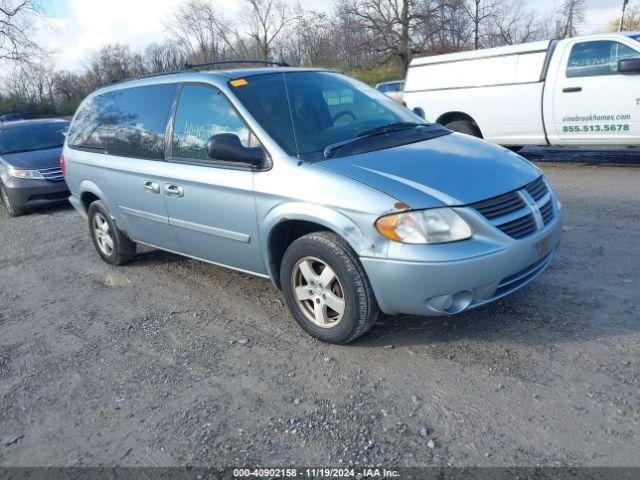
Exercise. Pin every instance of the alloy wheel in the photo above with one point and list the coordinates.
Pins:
(102, 233)
(318, 292)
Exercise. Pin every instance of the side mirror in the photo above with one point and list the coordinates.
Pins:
(227, 147)
(629, 66)
(420, 112)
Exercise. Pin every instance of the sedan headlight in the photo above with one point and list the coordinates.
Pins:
(26, 174)
(437, 225)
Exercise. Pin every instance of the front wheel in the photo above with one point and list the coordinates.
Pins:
(326, 288)
(12, 209)
(112, 244)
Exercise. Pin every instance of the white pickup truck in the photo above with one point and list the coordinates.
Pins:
(578, 92)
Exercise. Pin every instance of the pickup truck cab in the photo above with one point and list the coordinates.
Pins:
(577, 92)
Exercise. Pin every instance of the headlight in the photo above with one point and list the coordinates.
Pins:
(26, 174)
(437, 225)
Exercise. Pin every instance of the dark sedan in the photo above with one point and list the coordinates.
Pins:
(30, 173)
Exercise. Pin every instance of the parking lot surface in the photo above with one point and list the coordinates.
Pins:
(171, 361)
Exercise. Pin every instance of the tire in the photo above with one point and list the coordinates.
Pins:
(113, 245)
(350, 286)
(11, 208)
(514, 149)
(464, 126)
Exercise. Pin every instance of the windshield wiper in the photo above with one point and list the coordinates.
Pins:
(390, 127)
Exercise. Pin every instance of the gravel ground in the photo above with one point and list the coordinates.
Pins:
(170, 361)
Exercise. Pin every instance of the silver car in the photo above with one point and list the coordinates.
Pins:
(348, 202)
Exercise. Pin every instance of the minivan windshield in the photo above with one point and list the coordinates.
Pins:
(307, 112)
(30, 137)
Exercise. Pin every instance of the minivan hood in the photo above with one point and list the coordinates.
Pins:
(34, 160)
(450, 170)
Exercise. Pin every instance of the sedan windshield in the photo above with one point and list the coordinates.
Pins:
(307, 112)
(30, 137)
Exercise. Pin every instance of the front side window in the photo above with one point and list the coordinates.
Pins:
(28, 138)
(589, 59)
(203, 112)
(307, 111)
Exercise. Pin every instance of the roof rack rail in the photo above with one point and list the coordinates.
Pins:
(189, 66)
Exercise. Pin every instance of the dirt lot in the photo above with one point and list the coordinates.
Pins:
(170, 361)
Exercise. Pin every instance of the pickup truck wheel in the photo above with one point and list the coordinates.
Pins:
(11, 208)
(326, 288)
(112, 244)
(464, 126)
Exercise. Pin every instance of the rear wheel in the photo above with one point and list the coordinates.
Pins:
(326, 288)
(11, 208)
(464, 126)
(112, 244)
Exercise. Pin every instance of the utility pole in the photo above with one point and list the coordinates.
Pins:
(624, 8)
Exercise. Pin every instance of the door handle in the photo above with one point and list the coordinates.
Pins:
(572, 89)
(174, 190)
(152, 187)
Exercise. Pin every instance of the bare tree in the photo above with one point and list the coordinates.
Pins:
(67, 86)
(266, 20)
(398, 28)
(113, 62)
(513, 23)
(196, 28)
(481, 12)
(32, 82)
(16, 20)
(631, 21)
(572, 14)
(163, 57)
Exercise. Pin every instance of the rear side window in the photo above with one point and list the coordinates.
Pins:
(590, 59)
(88, 129)
(129, 122)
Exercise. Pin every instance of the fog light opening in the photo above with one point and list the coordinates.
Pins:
(459, 302)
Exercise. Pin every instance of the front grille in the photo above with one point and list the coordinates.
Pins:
(520, 227)
(52, 174)
(547, 212)
(502, 205)
(513, 212)
(537, 189)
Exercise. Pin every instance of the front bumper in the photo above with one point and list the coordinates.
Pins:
(25, 194)
(495, 265)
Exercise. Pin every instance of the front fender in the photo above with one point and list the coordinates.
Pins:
(327, 217)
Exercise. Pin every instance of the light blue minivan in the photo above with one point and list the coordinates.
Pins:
(346, 200)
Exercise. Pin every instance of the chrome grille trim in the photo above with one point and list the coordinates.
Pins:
(521, 212)
(52, 174)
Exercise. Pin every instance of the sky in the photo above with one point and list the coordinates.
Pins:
(73, 29)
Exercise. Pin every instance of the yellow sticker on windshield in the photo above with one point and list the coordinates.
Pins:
(240, 82)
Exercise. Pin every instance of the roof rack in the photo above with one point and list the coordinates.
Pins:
(189, 66)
